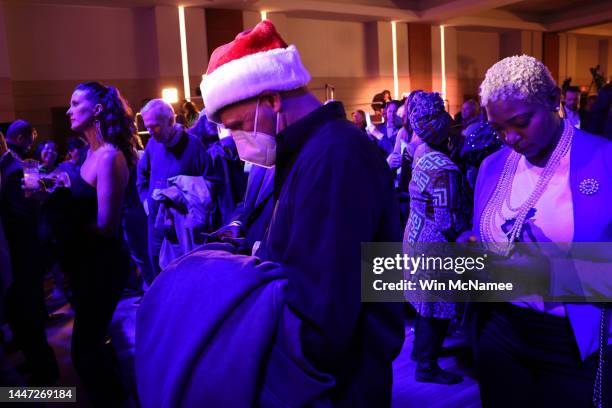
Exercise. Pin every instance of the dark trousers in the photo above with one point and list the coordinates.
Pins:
(97, 286)
(429, 333)
(134, 225)
(8, 376)
(530, 359)
(155, 238)
(26, 312)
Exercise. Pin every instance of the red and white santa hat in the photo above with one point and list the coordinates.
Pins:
(256, 61)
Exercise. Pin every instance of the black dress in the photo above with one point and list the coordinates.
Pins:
(98, 267)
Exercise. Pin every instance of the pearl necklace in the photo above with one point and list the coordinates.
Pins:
(503, 191)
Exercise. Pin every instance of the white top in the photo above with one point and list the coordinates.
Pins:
(552, 221)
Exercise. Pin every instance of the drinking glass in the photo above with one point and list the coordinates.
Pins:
(31, 174)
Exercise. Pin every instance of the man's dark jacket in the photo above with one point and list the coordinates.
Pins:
(333, 191)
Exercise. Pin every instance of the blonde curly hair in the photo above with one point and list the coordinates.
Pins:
(522, 78)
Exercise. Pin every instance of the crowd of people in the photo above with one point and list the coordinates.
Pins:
(98, 220)
(251, 272)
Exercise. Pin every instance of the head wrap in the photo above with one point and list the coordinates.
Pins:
(410, 99)
(481, 137)
(428, 118)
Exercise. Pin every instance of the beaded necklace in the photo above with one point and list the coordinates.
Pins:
(503, 191)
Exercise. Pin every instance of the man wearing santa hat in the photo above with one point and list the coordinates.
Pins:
(332, 191)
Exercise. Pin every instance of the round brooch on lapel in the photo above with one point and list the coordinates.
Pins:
(588, 186)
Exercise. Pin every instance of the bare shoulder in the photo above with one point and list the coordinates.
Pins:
(112, 161)
(111, 156)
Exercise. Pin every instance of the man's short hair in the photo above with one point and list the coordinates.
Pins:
(161, 106)
(19, 127)
(573, 89)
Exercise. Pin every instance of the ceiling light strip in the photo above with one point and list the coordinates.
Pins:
(394, 44)
(185, 60)
(443, 62)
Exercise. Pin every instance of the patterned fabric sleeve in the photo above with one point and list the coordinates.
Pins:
(449, 203)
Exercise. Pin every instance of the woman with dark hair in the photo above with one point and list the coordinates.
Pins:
(191, 114)
(98, 260)
(76, 153)
(359, 119)
(386, 94)
(380, 100)
(47, 154)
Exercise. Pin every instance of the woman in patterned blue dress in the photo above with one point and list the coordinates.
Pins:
(440, 210)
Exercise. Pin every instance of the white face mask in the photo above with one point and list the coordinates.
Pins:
(256, 147)
(223, 132)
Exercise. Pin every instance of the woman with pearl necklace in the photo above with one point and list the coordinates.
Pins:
(550, 183)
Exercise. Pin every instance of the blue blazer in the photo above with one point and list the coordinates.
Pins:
(590, 157)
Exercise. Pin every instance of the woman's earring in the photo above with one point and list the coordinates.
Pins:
(98, 128)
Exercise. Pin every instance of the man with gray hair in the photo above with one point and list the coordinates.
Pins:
(170, 152)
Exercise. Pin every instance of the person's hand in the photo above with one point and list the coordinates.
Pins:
(145, 205)
(228, 233)
(394, 160)
(239, 243)
(38, 194)
(522, 264)
(372, 130)
(467, 237)
(527, 268)
(3, 146)
(468, 244)
(225, 243)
